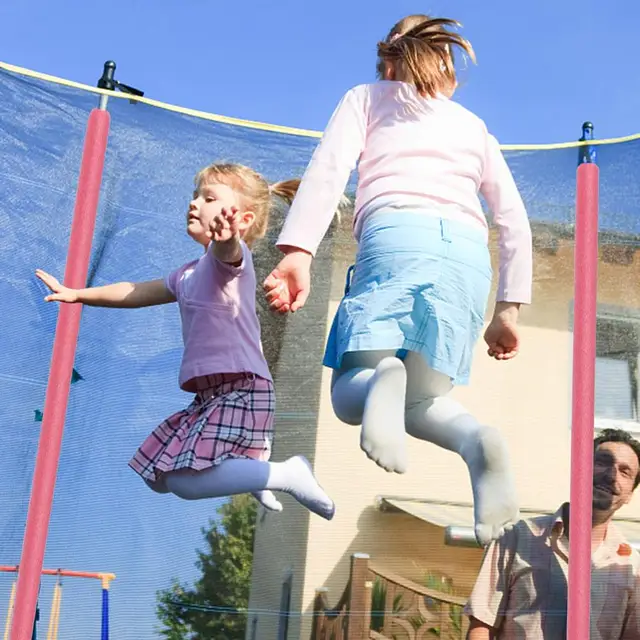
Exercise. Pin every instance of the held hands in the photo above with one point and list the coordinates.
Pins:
(60, 292)
(287, 287)
(225, 226)
(502, 334)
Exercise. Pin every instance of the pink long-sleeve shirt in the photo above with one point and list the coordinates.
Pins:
(428, 155)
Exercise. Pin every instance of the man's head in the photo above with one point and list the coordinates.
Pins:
(616, 469)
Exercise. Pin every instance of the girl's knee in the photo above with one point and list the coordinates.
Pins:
(177, 482)
(349, 392)
(157, 486)
(346, 410)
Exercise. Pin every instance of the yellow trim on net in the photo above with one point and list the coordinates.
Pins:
(163, 105)
(308, 133)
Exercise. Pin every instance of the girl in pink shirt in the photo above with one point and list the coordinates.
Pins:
(221, 443)
(415, 301)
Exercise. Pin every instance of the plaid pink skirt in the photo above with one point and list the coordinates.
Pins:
(230, 417)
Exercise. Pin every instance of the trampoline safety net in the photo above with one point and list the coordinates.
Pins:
(168, 556)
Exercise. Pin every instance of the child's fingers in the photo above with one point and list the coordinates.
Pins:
(274, 294)
(502, 353)
(278, 304)
(300, 300)
(228, 215)
(272, 281)
(234, 220)
(221, 222)
(218, 219)
(496, 347)
(48, 280)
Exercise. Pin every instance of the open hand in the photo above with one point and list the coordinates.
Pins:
(60, 292)
(502, 336)
(224, 225)
(287, 287)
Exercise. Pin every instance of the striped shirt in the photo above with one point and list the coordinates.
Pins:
(521, 590)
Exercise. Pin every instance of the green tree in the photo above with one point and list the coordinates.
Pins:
(214, 608)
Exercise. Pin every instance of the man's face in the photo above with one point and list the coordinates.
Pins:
(615, 469)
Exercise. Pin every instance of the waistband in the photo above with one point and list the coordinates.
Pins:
(419, 221)
(217, 383)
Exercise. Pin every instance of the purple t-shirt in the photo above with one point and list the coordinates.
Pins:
(220, 327)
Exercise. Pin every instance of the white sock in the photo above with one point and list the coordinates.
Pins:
(383, 436)
(268, 500)
(443, 422)
(374, 398)
(244, 475)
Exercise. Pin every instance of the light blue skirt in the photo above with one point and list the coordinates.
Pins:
(420, 283)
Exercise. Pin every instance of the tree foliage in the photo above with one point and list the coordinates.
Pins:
(214, 608)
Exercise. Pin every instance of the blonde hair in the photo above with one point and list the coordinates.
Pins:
(420, 50)
(255, 191)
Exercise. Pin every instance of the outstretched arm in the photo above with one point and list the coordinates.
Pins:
(124, 295)
(322, 188)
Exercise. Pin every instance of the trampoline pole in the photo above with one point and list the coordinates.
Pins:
(62, 360)
(105, 609)
(583, 389)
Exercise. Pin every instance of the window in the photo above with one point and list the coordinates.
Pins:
(285, 607)
(617, 360)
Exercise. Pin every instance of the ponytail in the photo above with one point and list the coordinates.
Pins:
(286, 190)
(420, 49)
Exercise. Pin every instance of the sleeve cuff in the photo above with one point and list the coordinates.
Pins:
(284, 241)
(514, 296)
(235, 270)
(483, 615)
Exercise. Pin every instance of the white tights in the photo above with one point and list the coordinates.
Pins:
(390, 397)
(242, 475)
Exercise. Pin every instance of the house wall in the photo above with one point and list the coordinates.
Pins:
(528, 398)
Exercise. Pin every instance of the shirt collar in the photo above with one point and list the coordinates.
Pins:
(614, 541)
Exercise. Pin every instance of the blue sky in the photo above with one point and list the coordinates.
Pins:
(543, 67)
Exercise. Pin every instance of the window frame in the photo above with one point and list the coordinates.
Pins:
(286, 596)
(612, 313)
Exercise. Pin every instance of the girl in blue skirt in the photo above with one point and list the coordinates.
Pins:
(405, 331)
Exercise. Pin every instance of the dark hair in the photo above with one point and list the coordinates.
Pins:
(624, 437)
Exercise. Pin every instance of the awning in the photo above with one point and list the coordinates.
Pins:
(456, 518)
